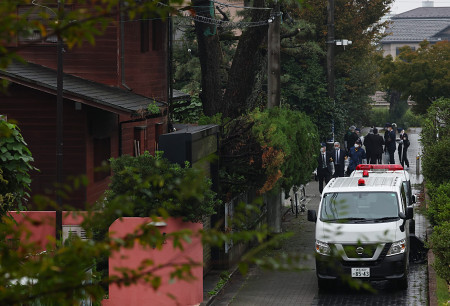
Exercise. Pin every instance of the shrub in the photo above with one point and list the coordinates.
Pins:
(439, 207)
(435, 163)
(153, 183)
(440, 244)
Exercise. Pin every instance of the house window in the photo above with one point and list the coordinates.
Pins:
(157, 35)
(397, 50)
(145, 35)
(102, 153)
(34, 17)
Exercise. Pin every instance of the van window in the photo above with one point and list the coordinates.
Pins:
(359, 206)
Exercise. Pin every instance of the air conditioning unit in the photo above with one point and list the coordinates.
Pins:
(70, 231)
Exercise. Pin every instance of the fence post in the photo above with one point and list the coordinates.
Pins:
(418, 164)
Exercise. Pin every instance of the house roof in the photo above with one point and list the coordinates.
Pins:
(425, 13)
(81, 90)
(419, 24)
(414, 30)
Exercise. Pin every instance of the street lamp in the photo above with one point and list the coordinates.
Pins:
(343, 42)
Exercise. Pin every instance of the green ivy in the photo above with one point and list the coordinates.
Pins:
(15, 164)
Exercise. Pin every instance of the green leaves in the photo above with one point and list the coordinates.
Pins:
(15, 164)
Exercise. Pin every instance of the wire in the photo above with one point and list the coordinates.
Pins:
(243, 7)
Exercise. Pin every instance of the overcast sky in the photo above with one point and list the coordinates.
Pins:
(401, 6)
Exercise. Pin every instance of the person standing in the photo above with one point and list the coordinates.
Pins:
(349, 138)
(357, 155)
(377, 147)
(368, 144)
(389, 140)
(323, 173)
(400, 146)
(339, 156)
(404, 140)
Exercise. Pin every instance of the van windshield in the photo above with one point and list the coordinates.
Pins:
(354, 207)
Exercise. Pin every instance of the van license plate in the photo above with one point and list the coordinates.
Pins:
(360, 272)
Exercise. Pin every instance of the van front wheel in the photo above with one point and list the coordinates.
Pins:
(324, 284)
(402, 283)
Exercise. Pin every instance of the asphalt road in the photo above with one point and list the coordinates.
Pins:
(260, 287)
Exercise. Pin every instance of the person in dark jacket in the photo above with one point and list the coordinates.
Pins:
(357, 156)
(389, 141)
(339, 156)
(368, 145)
(323, 171)
(404, 143)
(377, 147)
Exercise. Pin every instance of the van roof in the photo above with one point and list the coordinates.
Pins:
(348, 184)
(380, 172)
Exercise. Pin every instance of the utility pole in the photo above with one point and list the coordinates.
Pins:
(273, 199)
(330, 54)
(59, 126)
(273, 50)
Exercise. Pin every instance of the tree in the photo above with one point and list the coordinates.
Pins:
(420, 75)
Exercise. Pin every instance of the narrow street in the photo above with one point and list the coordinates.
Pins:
(260, 287)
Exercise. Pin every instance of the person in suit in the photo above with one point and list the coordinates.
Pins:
(323, 171)
(404, 141)
(368, 144)
(390, 146)
(339, 156)
(357, 156)
(377, 147)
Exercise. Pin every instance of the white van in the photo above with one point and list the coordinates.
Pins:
(362, 230)
(394, 170)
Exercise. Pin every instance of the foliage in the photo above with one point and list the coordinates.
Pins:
(379, 117)
(15, 165)
(439, 207)
(153, 108)
(290, 144)
(440, 243)
(437, 123)
(436, 165)
(186, 111)
(182, 192)
(419, 74)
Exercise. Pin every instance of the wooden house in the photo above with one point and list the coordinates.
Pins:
(107, 89)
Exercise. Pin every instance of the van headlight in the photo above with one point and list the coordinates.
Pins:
(323, 248)
(397, 247)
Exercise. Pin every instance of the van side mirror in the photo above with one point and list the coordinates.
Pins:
(413, 199)
(408, 216)
(312, 215)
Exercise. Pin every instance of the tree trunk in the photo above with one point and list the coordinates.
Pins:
(211, 60)
(243, 69)
(242, 74)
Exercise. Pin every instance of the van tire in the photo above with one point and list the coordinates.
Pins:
(401, 284)
(324, 284)
(412, 226)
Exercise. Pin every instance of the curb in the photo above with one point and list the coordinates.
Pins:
(225, 285)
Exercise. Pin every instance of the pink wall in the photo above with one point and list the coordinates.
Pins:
(184, 292)
(40, 225)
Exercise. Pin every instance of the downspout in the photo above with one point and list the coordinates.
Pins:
(169, 70)
(122, 49)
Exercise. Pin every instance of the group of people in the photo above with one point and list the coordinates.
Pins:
(332, 163)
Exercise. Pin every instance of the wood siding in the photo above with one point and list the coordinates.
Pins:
(35, 113)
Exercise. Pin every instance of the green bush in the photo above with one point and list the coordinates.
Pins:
(153, 183)
(436, 162)
(439, 207)
(378, 116)
(440, 244)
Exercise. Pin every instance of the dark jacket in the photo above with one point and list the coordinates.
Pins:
(389, 140)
